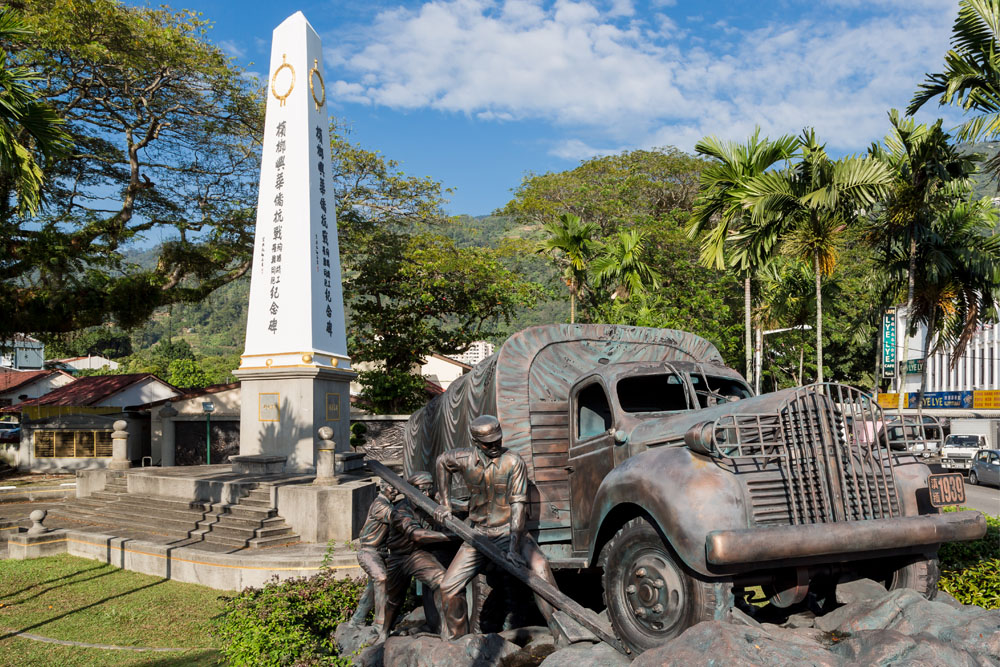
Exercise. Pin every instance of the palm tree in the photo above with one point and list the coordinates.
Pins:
(571, 243)
(925, 167)
(621, 267)
(28, 127)
(806, 208)
(720, 202)
(971, 75)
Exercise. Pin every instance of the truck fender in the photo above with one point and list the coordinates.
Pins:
(687, 495)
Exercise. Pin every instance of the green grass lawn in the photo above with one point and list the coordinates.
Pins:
(76, 599)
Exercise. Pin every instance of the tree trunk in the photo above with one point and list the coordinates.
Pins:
(572, 307)
(911, 279)
(749, 329)
(802, 362)
(758, 359)
(819, 320)
(932, 322)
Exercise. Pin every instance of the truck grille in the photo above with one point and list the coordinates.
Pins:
(821, 457)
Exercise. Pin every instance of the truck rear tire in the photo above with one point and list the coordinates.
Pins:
(920, 573)
(651, 597)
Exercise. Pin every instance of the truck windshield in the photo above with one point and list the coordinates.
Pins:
(963, 441)
(652, 393)
(728, 388)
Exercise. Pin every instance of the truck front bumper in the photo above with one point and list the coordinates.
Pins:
(772, 543)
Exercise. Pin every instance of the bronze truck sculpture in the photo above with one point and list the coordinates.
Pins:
(652, 461)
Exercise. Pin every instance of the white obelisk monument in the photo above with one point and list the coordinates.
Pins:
(295, 371)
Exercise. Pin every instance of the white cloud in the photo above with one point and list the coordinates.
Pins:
(232, 48)
(625, 81)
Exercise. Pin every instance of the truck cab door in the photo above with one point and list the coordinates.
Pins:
(591, 452)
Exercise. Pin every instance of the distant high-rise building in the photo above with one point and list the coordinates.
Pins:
(478, 351)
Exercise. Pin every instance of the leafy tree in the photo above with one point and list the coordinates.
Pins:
(721, 201)
(414, 294)
(690, 297)
(110, 342)
(971, 75)
(164, 131)
(620, 265)
(571, 243)
(610, 191)
(31, 134)
(185, 373)
(808, 207)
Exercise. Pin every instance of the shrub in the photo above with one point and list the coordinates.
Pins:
(970, 571)
(288, 622)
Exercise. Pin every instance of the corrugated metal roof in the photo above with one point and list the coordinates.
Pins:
(86, 391)
(12, 379)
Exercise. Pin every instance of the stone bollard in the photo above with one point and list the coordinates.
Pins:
(326, 474)
(119, 447)
(36, 522)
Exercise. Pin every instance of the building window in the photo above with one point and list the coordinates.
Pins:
(72, 444)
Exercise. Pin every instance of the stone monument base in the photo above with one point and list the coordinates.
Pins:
(284, 407)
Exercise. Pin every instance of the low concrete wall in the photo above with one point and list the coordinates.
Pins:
(188, 488)
(231, 572)
(88, 481)
(324, 513)
(32, 493)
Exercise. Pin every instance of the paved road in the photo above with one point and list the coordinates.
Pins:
(986, 499)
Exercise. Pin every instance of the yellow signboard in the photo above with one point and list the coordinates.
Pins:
(891, 401)
(986, 400)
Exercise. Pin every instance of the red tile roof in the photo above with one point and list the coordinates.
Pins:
(12, 379)
(86, 390)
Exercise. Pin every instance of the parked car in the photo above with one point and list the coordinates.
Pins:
(986, 467)
(10, 432)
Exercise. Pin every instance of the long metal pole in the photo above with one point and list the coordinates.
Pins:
(208, 438)
(550, 593)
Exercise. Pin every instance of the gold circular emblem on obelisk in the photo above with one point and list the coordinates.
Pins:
(274, 80)
(322, 87)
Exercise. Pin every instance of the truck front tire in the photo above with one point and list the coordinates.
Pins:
(651, 597)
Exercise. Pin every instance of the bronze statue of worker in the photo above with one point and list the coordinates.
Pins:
(407, 558)
(371, 547)
(497, 480)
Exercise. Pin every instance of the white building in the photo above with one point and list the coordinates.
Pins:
(89, 362)
(22, 353)
(478, 351)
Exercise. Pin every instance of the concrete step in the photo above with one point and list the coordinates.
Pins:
(253, 502)
(277, 541)
(154, 503)
(260, 493)
(107, 495)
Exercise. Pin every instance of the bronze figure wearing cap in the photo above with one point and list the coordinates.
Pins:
(497, 480)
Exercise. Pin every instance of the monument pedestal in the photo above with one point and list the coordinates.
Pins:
(284, 407)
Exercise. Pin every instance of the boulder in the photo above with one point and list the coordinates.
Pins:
(966, 628)
(587, 654)
(432, 651)
(883, 648)
(859, 590)
(352, 638)
(730, 644)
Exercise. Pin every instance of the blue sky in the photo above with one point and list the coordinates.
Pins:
(477, 93)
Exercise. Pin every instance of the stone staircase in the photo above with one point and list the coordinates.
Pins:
(251, 523)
